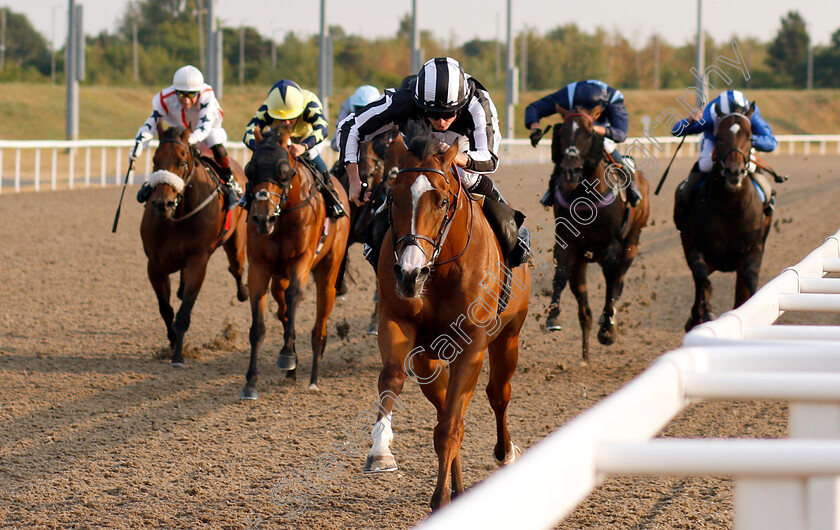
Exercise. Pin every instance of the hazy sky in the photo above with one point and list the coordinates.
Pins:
(462, 20)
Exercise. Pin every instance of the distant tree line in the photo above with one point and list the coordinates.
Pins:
(169, 34)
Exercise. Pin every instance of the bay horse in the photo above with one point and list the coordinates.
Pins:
(445, 296)
(184, 222)
(590, 206)
(289, 236)
(724, 226)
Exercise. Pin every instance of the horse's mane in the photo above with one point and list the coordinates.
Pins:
(420, 139)
(172, 133)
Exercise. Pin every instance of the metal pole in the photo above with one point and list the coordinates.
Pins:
(498, 49)
(810, 67)
(701, 56)
(218, 66)
(511, 92)
(242, 54)
(52, 44)
(322, 60)
(71, 123)
(416, 55)
(655, 62)
(199, 12)
(210, 46)
(3, 38)
(523, 62)
(135, 51)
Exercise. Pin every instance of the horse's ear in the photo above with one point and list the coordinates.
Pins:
(595, 113)
(751, 110)
(283, 138)
(258, 137)
(399, 147)
(162, 127)
(450, 154)
(561, 111)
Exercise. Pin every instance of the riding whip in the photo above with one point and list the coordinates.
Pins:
(766, 167)
(119, 206)
(662, 180)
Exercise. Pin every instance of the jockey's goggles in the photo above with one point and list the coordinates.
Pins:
(441, 115)
(189, 94)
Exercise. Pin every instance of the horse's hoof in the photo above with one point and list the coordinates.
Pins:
(514, 453)
(177, 364)
(380, 464)
(606, 336)
(690, 323)
(373, 329)
(553, 324)
(313, 387)
(242, 295)
(286, 362)
(249, 392)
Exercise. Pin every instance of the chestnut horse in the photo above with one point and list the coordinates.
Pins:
(289, 235)
(724, 226)
(183, 224)
(445, 297)
(593, 223)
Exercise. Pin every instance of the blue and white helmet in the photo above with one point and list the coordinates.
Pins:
(364, 95)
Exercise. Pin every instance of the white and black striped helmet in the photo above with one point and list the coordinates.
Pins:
(441, 85)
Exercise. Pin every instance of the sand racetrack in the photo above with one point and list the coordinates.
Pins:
(96, 430)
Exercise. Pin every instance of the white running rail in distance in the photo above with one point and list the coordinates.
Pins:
(33, 165)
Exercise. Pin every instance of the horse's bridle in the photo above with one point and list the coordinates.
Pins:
(720, 160)
(189, 171)
(443, 231)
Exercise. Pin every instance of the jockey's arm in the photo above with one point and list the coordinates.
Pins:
(258, 121)
(618, 122)
(763, 139)
(542, 108)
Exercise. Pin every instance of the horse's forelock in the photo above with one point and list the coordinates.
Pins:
(420, 140)
(267, 155)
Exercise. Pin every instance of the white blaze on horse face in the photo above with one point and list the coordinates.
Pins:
(413, 257)
(418, 188)
(574, 128)
(735, 128)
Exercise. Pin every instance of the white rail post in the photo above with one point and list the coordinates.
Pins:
(17, 170)
(37, 169)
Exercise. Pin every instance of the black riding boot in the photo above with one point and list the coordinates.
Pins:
(634, 196)
(374, 234)
(506, 222)
(231, 187)
(335, 209)
(144, 192)
(547, 199)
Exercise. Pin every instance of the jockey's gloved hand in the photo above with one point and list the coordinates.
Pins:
(536, 134)
(135, 152)
(780, 178)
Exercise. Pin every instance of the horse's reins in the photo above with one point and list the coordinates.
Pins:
(443, 231)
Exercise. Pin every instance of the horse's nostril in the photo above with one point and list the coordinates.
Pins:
(398, 273)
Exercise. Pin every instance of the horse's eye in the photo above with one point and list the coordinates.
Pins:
(444, 203)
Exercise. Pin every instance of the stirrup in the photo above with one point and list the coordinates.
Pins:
(634, 197)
